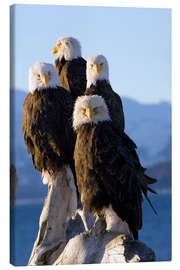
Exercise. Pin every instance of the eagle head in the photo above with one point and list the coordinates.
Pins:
(67, 47)
(97, 69)
(42, 75)
(90, 109)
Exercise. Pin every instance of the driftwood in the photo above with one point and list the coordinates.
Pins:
(106, 247)
(54, 219)
(90, 247)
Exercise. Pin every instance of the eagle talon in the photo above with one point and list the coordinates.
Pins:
(99, 225)
(85, 217)
(76, 215)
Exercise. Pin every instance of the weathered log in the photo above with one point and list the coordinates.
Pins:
(91, 247)
(106, 247)
(54, 219)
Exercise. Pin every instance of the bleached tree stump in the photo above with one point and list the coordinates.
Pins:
(92, 247)
(55, 216)
(107, 247)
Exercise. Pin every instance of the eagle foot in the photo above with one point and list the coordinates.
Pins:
(86, 217)
(99, 226)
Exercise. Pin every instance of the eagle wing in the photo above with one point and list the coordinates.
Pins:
(46, 126)
(72, 75)
(112, 100)
(62, 71)
(118, 166)
(59, 64)
(76, 74)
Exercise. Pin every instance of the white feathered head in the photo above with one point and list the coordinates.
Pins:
(90, 109)
(67, 47)
(42, 75)
(97, 69)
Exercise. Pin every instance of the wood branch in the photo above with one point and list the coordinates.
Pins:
(106, 247)
(92, 247)
(54, 219)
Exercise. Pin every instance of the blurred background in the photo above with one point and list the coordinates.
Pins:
(137, 44)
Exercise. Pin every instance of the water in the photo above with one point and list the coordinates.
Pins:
(156, 232)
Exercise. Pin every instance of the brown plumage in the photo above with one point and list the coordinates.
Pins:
(112, 99)
(72, 75)
(98, 83)
(108, 169)
(70, 66)
(47, 128)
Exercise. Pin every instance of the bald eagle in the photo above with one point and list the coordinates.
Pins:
(47, 126)
(70, 66)
(110, 178)
(97, 74)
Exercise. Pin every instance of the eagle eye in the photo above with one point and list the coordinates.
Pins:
(83, 110)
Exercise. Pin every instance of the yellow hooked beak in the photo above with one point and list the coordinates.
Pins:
(44, 79)
(88, 113)
(96, 69)
(55, 50)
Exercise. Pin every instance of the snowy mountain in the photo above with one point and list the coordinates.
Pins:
(149, 125)
(162, 172)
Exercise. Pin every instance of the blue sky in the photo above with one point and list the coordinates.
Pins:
(136, 42)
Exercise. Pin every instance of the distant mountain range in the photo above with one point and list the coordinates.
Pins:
(149, 125)
(162, 172)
